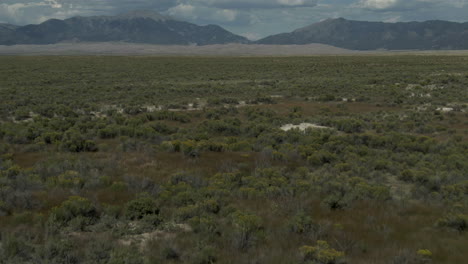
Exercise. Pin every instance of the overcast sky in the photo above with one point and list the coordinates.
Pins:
(251, 18)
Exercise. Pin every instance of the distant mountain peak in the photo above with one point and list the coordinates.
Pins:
(331, 20)
(323, 23)
(336, 19)
(145, 14)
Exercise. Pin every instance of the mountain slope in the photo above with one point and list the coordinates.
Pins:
(134, 27)
(7, 33)
(360, 35)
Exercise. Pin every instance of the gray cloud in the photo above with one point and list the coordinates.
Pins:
(409, 5)
(249, 4)
(208, 15)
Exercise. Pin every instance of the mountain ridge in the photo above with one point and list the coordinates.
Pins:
(133, 27)
(364, 35)
(142, 26)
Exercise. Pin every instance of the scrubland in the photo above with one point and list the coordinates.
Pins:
(184, 159)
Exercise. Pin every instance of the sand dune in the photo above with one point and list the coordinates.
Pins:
(146, 49)
(120, 48)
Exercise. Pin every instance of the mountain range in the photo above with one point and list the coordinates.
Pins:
(133, 27)
(360, 35)
(153, 28)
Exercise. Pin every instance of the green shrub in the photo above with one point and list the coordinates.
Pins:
(4, 209)
(163, 128)
(170, 253)
(77, 209)
(52, 137)
(300, 224)
(457, 222)
(187, 212)
(424, 253)
(321, 157)
(118, 186)
(126, 255)
(98, 250)
(247, 229)
(140, 207)
(322, 253)
(262, 100)
(335, 201)
(59, 251)
(206, 225)
(171, 116)
(13, 249)
(111, 131)
(22, 114)
(207, 255)
(221, 101)
(73, 141)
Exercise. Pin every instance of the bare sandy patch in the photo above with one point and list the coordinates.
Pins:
(143, 239)
(445, 109)
(303, 127)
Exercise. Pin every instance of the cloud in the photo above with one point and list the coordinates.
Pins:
(396, 5)
(251, 35)
(183, 10)
(231, 12)
(226, 14)
(254, 4)
(409, 5)
(208, 15)
(378, 4)
(209, 11)
(32, 11)
(54, 3)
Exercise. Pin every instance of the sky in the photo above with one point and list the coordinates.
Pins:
(251, 18)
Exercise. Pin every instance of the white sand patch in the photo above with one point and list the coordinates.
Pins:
(429, 87)
(428, 95)
(25, 120)
(411, 87)
(445, 109)
(303, 127)
(433, 87)
(447, 74)
(98, 114)
(190, 107)
(143, 239)
(153, 108)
